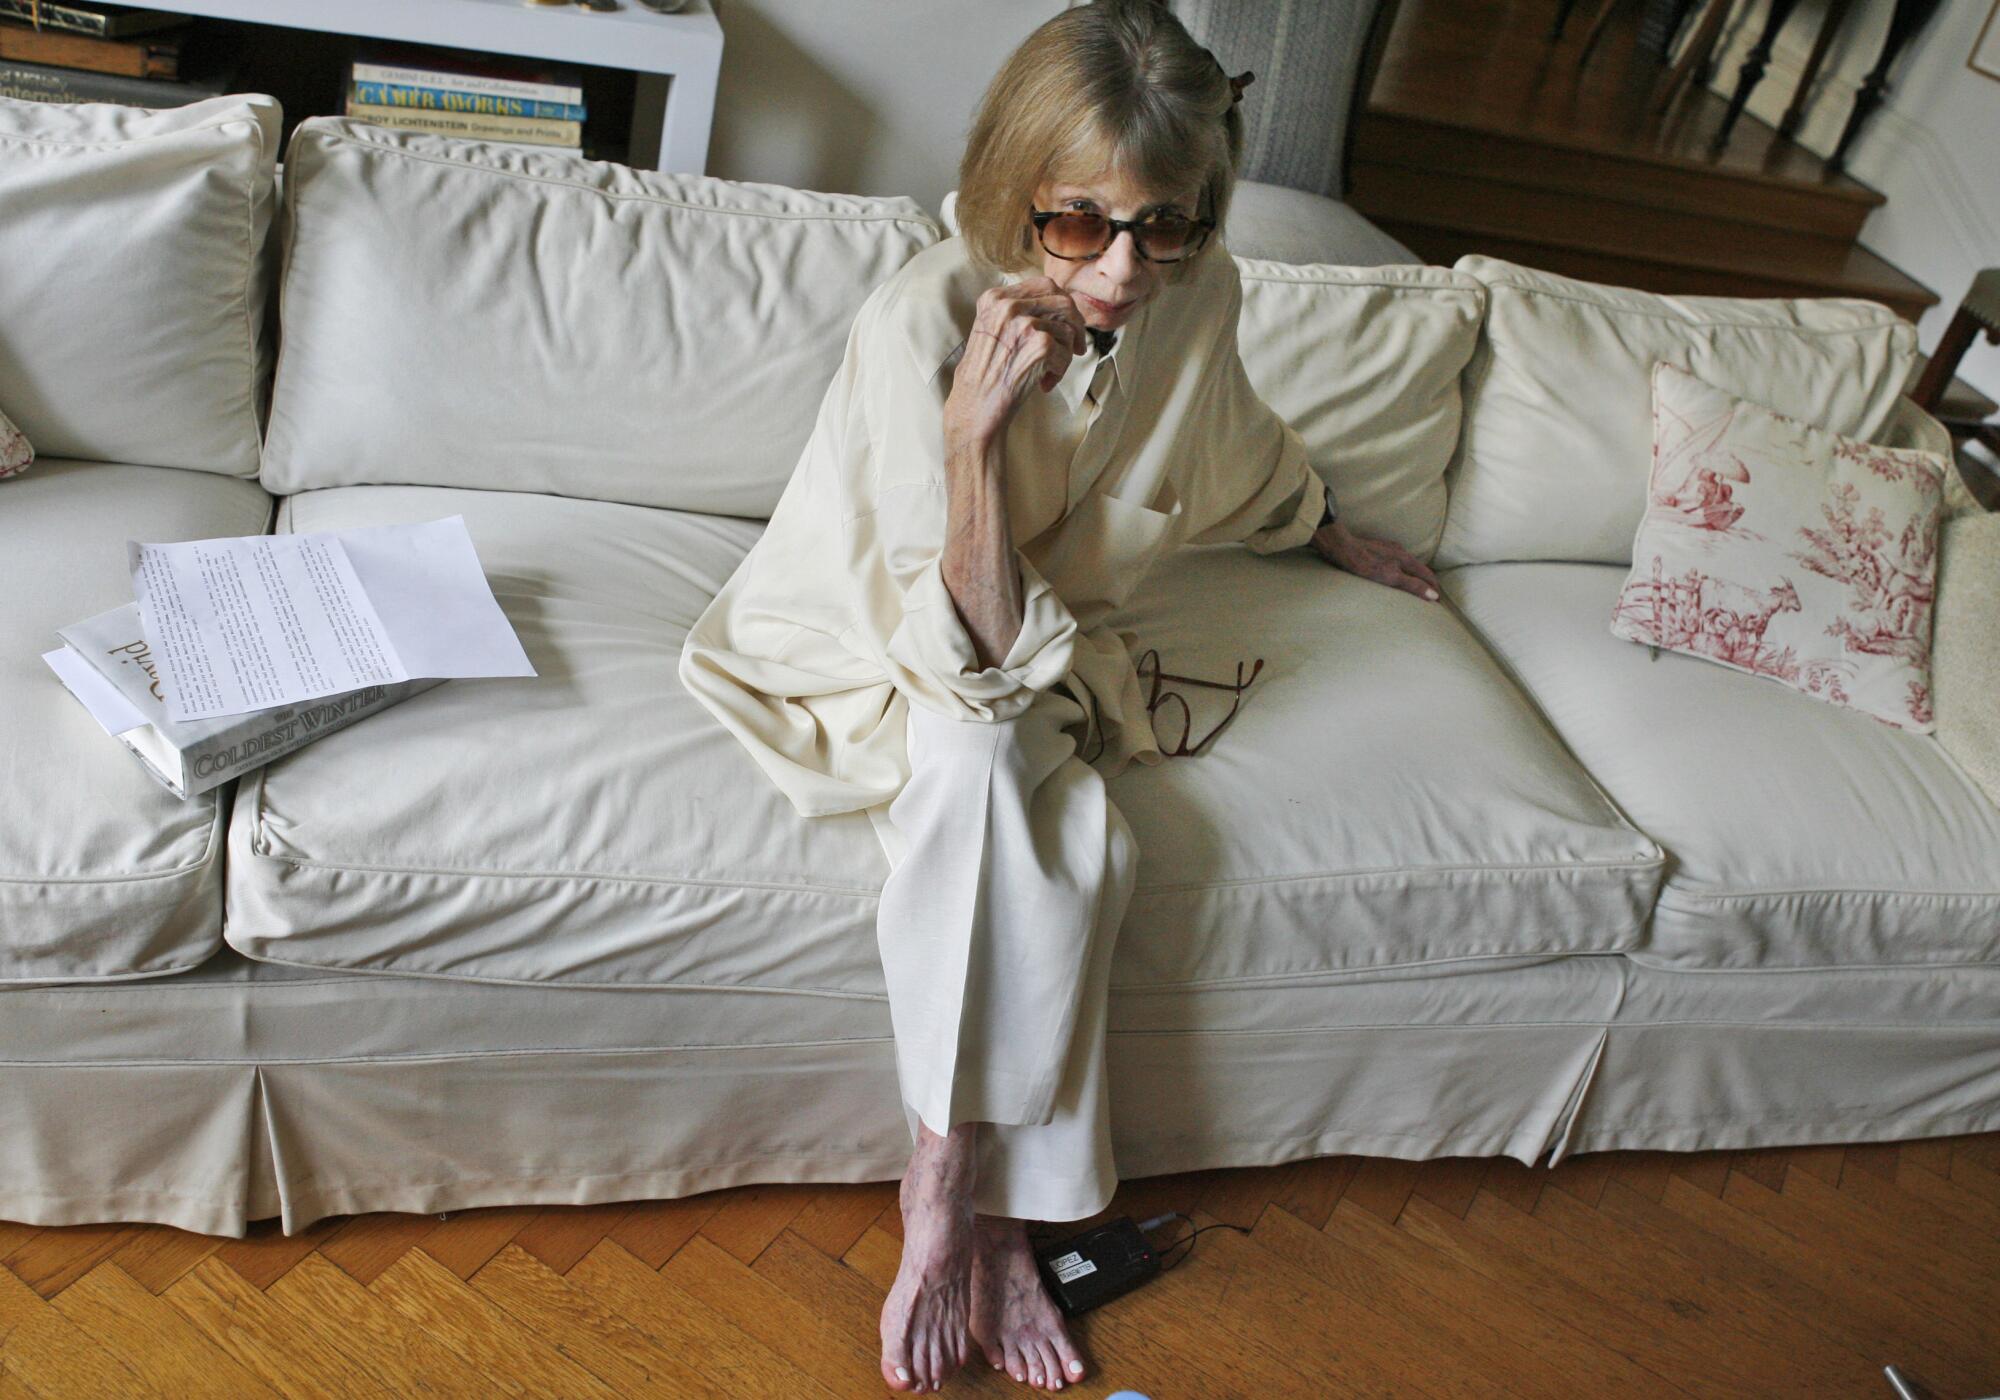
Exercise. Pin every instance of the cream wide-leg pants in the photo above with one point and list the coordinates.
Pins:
(1010, 871)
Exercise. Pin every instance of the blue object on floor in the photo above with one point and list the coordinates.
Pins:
(1128, 1395)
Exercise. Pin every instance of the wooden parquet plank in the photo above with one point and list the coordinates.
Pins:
(261, 1257)
(1451, 1182)
(491, 1340)
(153, 1339)
(1582, 1176)
(1877, 1158)
(692, 1326)
(53, 1356)
(325, 1296)
(1971, 1210)
(1685, 1337)
(751, 1217)
(1924, 1227)
(790, 1327)
(1552, 1358)
(1518, 1185)
(1764, 1165)
(1822, 1161)
(1239, 1195)
(368, 1244)
(12, 1387)
(834, 1216)
(49, 1260)
(1975, 1177)
(1382, 1185)
(655, 1229)
(1346, 1348)
(1707, 1170)
(1312, 1188)
(1743, 1327)
(1983, 1148)
(1473, 1352)
(561, 1235)
(1932, 1154)
(1643, 1171)
(1550, 1290)
(1885, 1322)
(15, 1233)
(1875, 1245)
(466, 1239)
(159, 1255)
(261, 1336)
(601, 1331)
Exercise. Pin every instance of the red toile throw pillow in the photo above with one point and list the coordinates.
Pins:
(1786, 551)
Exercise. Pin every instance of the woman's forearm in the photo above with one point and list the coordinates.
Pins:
(980, 570)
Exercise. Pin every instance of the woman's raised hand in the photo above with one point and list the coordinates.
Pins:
(1024, 334)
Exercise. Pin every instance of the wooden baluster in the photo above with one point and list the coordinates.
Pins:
(1909, 17)
(1830, 22)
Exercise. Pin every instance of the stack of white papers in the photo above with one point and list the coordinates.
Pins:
(237, 650)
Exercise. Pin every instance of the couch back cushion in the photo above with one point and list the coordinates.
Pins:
(1557, 445)
(1365, 362)
(135, 263)
(461, 314)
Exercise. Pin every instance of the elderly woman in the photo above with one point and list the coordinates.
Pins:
(1027, 416)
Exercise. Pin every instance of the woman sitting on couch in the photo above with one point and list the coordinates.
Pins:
(919, 633)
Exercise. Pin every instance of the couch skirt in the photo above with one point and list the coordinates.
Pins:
(243, 1090)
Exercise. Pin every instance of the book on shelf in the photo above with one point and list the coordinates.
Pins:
(478, 126)
(103, 21)
(46, 82)
(108, 665)
(153, 56)
(464, 71)
(445, 100)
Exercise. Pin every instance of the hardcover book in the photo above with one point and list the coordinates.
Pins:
(109, 667)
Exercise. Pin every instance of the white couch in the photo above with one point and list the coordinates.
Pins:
(1469, 879)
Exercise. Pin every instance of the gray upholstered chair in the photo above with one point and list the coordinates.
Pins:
(1314, 61)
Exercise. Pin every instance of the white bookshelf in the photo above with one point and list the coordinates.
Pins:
(676, 57)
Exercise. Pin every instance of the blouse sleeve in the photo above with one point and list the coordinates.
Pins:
(928, 650)
(1254, 483)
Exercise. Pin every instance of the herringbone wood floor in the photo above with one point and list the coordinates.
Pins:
(1790, 1272)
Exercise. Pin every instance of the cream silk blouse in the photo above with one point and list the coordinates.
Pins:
(838, 618)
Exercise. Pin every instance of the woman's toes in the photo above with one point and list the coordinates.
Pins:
(1051, 1367)
(1072, 1364)
(896, 1372)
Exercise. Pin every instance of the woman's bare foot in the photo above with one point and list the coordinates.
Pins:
(925, 1317)
(1015, 1320)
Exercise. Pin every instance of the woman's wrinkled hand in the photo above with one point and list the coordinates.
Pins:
(1384, 561)
(1024, 335)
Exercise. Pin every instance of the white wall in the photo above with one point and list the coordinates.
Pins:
(858, 96)
(1932, 147)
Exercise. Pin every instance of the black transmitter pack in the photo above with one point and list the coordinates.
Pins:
(1096, 1266)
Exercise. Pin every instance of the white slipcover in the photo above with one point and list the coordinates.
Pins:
(1553, 460)
(135, 259)
(463, 314)
(1799, 834)
(1364, 363)
(1384, 798)
(104, 874)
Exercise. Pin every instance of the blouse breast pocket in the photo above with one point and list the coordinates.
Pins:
(1097, 554)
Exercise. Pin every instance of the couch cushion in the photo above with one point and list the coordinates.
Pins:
(1799, 834)
(134, 267)
(1364, 363)
(593, 824)
(104, 874)
(1558, 398)
(463, 314)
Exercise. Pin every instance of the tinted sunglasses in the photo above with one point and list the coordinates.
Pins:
(1076, 236)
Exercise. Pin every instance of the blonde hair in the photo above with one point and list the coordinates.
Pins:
(1115, 84)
